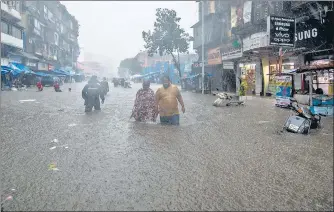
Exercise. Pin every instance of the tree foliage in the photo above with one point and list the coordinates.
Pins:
(167, 37)
(132, 64)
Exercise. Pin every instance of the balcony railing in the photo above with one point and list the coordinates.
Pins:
(9, 11)
(11, 41)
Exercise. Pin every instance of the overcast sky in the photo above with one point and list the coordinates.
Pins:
(114, 28)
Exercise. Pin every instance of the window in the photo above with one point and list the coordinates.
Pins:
(61, 28)
(51, 17)
(16, 32)
(56, 38)
(37, 24)
(4, 27)
(13, 5)
(45, 10)
(71, 24)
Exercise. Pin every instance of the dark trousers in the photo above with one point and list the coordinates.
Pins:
(91, 102)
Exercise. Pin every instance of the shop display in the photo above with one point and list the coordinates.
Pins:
(248, 78)
(283, 90)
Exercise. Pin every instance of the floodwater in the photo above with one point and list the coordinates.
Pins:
(229, 158)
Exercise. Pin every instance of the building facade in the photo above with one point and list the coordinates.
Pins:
(12, 35)
(248, 47)
(50, 36)
(217, 35)
(308, 36)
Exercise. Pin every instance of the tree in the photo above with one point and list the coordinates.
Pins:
(167, 37)
(132, 64)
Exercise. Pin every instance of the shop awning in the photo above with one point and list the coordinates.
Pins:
(6, 69)
(323, 65)
(41, 74)
(150, 74)
(60, 72)
(286, 72)
(20, 68)
(191, 77)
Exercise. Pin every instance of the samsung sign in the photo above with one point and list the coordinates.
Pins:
(309, 35)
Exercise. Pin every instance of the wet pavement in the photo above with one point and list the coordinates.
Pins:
(57, 158)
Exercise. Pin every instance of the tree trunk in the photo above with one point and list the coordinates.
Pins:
(177, 64)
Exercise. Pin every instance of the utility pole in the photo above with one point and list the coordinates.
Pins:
(72, 69)
(203, 46)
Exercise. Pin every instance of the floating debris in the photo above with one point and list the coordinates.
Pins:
(72, 125)
(61, 110)
(53, 167)
(262, 122)
(27, 100)
(55, 140)
(53, 147)
(9, 198)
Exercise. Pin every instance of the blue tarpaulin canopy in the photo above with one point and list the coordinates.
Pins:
(41, 74)
(59, 72)
(20, 68)
(6, 69)
(69, 70)
(191, 77)
(151, 74)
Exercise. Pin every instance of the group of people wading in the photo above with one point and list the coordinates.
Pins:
(148, 105)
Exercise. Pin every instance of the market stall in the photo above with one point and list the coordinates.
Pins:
(320, 96)
(283, 87)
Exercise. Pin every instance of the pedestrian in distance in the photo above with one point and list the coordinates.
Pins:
(105, 86)
(39, 85)
(167, 98)
(92, 93)
(56, 86)
(144, 108)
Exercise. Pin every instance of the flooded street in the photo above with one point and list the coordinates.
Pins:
(56, 157)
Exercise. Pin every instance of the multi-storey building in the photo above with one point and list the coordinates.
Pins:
(260, 55)
(11, 32)
(51, 34)
(246, 45)
(217, 35)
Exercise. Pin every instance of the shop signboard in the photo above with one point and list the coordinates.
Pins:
(214, 57)
(309, 35)
(283, 90)
(50, 67)
(228, 65)
(231, 53)
(197, 65)
(233, 16)
(255, 41)
(281, 31)
(247, 12)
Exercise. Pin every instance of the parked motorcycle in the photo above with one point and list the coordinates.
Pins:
(303, 121)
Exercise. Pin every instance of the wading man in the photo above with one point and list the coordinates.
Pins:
(92, 93)
(167, 98)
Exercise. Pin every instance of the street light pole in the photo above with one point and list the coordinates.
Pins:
(202, 46)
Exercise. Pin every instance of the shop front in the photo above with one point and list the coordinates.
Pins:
(212, 80)
(247, 79)
(230, 53)
(288, 64)
(255, 63)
